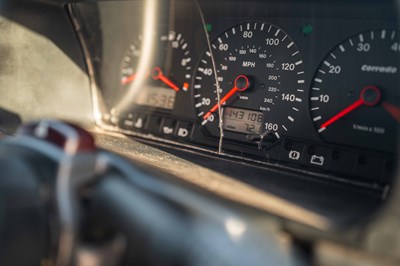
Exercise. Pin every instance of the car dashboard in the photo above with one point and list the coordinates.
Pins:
(271, 85)
(289, 108)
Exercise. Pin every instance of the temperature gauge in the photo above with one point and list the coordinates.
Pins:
(168, 75)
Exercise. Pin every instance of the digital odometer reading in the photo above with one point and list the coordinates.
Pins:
(241, 120)
(157, 97)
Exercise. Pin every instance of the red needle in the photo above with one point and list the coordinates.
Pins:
(344, 112)
(158, 75)
(239, 86)
(368, 100)
(393, 110)
(128, 79)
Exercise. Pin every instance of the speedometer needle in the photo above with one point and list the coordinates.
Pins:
(157, 74)
(241, 83)
(369, 96)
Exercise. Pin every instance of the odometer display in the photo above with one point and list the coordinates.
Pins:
(259, 71)
(242, 121)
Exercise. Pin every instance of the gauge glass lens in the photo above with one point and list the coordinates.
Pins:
(261, 79)
(355, 96)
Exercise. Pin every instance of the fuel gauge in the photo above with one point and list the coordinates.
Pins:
(169, 74)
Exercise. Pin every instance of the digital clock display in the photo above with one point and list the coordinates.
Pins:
(157, 97)
(242, 120)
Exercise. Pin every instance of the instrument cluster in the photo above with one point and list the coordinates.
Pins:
(315, 91)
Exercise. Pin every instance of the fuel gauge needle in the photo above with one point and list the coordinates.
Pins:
(241, 83)
(129, 79)
(157, 74)
(393, 110)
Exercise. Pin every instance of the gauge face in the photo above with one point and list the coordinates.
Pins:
(260, 74)
(169, 74)
(355, 96)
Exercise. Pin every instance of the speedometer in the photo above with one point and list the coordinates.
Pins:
(260, 74)
(355, 96)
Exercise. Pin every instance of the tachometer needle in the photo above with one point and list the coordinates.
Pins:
(241, 83)
(157, 74)
(369, 96)
(393, 110)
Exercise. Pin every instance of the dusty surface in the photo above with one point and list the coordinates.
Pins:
(208, 179)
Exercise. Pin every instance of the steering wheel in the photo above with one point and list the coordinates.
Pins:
(65, 202)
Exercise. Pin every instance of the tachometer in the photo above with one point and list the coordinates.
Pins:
(261, 79)
(355, 96)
